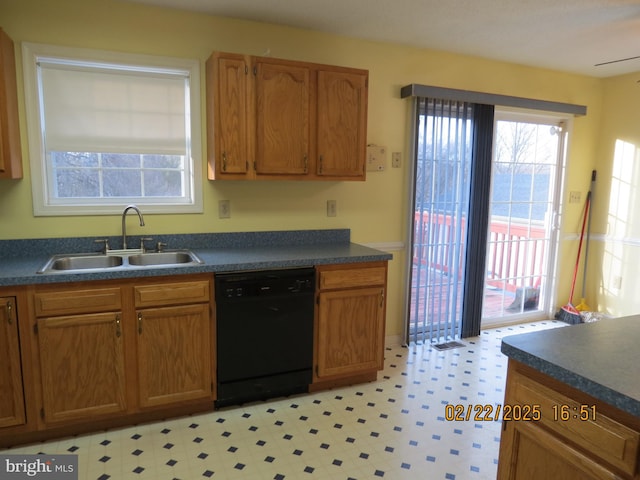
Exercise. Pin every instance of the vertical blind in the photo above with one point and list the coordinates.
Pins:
(451, 211)
(478, 225)
(441, 205)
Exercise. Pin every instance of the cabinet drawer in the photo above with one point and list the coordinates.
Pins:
(66, 302)
(352, 277)
(179, 293)
(603, 437)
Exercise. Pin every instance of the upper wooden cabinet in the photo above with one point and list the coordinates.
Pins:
(282, 113)
(228, 116)
(342, 119)
(10, 151)
(278, 119)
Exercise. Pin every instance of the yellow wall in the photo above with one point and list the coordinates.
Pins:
(376, 210)
(615, 289)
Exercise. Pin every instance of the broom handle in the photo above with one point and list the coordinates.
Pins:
(586, 245)
(575, 270)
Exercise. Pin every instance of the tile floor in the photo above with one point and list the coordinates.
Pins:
(394, 428)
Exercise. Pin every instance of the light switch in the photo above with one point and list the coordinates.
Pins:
(332, 208)
(396, 158)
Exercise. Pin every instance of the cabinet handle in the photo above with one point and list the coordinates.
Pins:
(306, 163)
(320, 169)
(118, 330)
(9, 307)
(139, 322)
(381, 298)
(224, 161)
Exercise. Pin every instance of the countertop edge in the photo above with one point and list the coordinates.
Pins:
(571, 378)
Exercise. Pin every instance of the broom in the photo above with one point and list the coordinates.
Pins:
(582, 306)
(569, 313)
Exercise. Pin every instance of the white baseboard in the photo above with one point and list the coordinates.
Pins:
(393, 340)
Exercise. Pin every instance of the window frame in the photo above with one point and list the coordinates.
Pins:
(40, 183)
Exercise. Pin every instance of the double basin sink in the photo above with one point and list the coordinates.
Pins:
(69, 263)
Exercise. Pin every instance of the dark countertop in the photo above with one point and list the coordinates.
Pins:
(600, 358)
(21, 259)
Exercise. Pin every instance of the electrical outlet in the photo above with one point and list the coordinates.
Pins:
(332, 208)
(224, 209)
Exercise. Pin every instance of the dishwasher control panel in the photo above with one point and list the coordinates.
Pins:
(265, 283)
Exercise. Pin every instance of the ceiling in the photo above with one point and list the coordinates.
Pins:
(566, 35)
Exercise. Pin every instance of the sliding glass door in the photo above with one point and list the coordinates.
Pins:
(486, 199)
(528, 154)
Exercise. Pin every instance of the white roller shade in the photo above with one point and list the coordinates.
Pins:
(108, 108)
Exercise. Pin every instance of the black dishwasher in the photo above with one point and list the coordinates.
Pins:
(264, 334)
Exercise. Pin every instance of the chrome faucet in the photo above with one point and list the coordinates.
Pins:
(124, 226)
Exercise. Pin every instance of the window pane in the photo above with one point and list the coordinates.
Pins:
(74, 159)
(162, 183)
(77, 183)
(122, 183)
(120, 160)
(162, 161)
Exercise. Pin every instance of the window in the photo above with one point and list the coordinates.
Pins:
(108, 129)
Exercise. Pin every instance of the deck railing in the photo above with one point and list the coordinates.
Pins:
(515, 250)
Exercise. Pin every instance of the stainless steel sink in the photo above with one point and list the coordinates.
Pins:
(81, 262)
(122, 260)
(178, 257)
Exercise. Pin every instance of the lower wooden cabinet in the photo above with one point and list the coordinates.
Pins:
(350, 322)
(536, 453)
(121, 348)
(173, 343)
(570, 436)
(82, 366)
(174, 351)
(79, 341)
(12, 411)
(108, 353)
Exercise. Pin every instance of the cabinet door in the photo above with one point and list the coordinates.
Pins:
(529, 451)
(174, 354)
(11, 391)
(228, 82)
(350, 331)
(282, 119)
(10, 149)
(342, 124)
(82, 366)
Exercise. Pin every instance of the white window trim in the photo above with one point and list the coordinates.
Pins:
(30, 53)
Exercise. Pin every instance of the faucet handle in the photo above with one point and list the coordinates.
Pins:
(160, 246)
(105, 241)
(142, 240)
